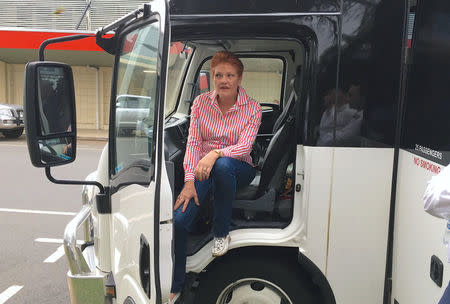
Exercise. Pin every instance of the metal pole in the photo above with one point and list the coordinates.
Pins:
(88, 15)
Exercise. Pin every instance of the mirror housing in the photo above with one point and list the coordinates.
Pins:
(49, 108)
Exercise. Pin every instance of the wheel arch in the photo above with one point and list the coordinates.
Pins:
(287, 254)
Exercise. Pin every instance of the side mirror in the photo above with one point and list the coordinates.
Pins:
(50, 120)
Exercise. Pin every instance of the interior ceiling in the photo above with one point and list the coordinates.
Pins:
(254, 46)
(248, 45)
(73, 58)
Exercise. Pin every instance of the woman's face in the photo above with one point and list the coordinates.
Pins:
(226, 80)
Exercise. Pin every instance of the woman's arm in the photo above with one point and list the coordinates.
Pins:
(246, 139)
(192, 155)
(437, 195)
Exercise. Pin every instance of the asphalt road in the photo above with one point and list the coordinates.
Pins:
(32, 266)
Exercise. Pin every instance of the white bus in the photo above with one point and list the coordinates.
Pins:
(345, 148)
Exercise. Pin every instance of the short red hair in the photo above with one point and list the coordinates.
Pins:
(227, 57)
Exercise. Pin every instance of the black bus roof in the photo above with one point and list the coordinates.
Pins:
(196, 7)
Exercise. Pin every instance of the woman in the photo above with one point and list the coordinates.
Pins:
(224, 124)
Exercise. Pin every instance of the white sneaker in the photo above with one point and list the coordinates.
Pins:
(220, 245)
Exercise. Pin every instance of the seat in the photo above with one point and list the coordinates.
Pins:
(288, 109)
(261, 194)
(259, 148)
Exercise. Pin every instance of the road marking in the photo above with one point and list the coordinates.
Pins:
(54, 241)
(55, 255)
(36, 211)
(6, 145)
(8, 293)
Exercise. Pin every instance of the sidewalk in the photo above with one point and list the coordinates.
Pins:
(90, 134)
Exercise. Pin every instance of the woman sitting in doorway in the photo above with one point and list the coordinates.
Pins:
(224, 125)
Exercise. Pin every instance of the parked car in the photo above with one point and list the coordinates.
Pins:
(11, 120)
(132, 110)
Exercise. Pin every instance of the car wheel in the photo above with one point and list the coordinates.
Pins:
(13, 133)
(255, 280)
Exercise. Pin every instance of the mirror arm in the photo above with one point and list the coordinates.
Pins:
(58, 40)
(72, 182)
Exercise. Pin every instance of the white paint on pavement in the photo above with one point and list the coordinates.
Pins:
(36, 211)
(10, 145)
(55, 255)
(53, 241)
(8, 293)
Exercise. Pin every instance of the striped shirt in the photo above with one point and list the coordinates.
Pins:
(233, 133)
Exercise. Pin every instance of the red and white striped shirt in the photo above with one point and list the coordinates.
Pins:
(232, 133)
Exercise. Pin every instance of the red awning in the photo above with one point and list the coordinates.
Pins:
(16, 39)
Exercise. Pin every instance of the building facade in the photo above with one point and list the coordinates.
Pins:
(26, 23)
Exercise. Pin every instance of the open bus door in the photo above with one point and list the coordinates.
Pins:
(420, 263)
(141, 228)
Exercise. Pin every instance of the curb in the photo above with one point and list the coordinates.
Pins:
(92, 138)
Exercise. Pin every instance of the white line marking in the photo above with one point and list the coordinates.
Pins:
(36, 211)
(8, 293)
(54, 241)
(55, 255)
(14, 145)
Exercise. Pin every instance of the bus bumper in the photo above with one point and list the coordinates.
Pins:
(86, 288)
(87, 284)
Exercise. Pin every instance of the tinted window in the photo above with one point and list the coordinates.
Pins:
(359, 108)
(426, 123)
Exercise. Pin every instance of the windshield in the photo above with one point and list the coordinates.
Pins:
(178, 60)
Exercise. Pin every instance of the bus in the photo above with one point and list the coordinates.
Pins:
(351, 132)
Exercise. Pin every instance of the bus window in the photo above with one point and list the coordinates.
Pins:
(179, 56)
(426, 122)
(359, 109)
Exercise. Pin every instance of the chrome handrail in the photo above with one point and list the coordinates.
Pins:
(77, 262)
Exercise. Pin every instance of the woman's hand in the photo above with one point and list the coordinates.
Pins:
(205, 165)
(186, 195)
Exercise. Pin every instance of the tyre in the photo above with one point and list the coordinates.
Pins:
(256, 280)
(13, 133)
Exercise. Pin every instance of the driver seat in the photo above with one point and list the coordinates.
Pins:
(261, 194)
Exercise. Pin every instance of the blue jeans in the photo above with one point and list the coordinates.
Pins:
(227, 175)
(446, 296)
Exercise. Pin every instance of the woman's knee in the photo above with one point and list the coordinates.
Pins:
(223, 166)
